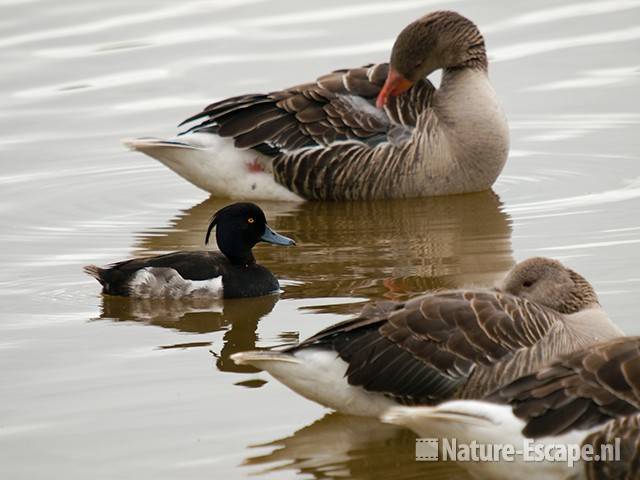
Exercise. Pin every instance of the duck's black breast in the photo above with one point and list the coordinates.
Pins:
(237, 281)
(248, 281)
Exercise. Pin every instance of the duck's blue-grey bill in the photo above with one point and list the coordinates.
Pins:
(270, 236)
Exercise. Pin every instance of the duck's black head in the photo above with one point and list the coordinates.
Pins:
(238, 228)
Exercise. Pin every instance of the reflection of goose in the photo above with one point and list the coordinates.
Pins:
(368, 248)
(199, 316)
(327, 140)
(589, 397)
(453, 344)
(342, 446)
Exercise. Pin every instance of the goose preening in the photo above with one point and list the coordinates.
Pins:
(445, 345)
(230, 273)
(327, 139)
(588, 397)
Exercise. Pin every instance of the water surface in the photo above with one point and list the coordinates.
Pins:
(109, 388)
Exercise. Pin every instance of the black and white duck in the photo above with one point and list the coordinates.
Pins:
(230, 273)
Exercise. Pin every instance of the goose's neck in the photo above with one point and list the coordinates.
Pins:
(593, 325)
(456, 77)
(477, 57)
(469, 139)
(468, 108)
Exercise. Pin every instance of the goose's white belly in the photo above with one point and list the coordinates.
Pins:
(216, 165)
(319, 375)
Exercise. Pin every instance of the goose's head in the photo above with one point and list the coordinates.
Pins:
(238, 228)
(547, 282)
(438, 40)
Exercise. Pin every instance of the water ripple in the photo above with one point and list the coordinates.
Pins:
(592, 79)
(340, 13)
(178, 10)
(176, 37)
(96, 83)
(526, 49)
(565, 12)
(630, 192)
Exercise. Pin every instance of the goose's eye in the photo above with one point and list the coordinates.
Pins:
(250, 220)
(527, 283)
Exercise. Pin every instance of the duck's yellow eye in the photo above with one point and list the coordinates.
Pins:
(250, 220)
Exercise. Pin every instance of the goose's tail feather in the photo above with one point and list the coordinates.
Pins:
(433, 420)
(469, 421)
(262, 358)
(95, 272)
(145, 144)
(469, 418)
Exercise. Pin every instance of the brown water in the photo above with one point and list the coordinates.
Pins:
(95, 387)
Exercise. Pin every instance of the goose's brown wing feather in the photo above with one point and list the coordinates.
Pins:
(338, 106)
(422, 351)
(627, 430)
(579, 390)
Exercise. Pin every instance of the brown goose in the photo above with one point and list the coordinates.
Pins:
(455, 344)
(589, 397)
(580, 390)
(596, 389)
(327, 140)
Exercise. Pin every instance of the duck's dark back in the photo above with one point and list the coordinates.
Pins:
(238, 281)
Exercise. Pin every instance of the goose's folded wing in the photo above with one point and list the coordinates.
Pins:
(338, 106)
(356, 170)
(579, 390)
(627, 431)
(423, 350)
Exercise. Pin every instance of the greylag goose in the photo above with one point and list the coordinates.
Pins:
(445, 345)
(588, 397)
(327, 140)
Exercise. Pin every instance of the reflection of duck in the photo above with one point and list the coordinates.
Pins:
(373, 249)
(343, 446)
(424, 142)
(198, 316)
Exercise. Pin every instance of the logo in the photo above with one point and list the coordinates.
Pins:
(434, 449)
(427, 449)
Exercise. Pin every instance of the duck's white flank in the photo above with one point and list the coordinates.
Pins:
(155, 282)
(485, 423)
(215, 165)
(318, 375)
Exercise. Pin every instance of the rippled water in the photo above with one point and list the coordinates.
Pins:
(97, 387)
